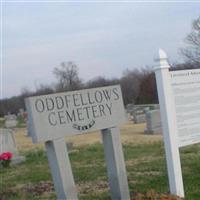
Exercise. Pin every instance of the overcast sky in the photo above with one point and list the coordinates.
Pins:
(103, 39)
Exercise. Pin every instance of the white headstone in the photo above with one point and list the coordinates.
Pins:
(138, 115)
(153, 122)
(7, 141)
(129, 107)
(21, 111)
(8, 144)
(10, 121)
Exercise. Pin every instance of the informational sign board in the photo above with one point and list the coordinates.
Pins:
(179, 99)
(58, 115)
(186, 90)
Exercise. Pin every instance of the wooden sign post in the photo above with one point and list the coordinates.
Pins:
(52, 117)
(169, 126)
(179, 99)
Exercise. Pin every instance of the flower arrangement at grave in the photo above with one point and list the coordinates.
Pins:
(5, 159)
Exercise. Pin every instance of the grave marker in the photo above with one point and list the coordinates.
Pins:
(153, 122)
(10, 121)
(7, 141)
(51, 117)
(8, 144)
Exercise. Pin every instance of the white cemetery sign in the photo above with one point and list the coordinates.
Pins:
(186, 89)
(179, 98)
(51, 117)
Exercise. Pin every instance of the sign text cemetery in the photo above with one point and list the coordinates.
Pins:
(52, 117)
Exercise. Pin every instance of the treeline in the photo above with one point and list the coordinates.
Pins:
(138, 86)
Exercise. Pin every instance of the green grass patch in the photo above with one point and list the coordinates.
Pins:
(146, 169)
(2, 121)
(21, 122)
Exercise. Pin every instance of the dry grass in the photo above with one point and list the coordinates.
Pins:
(130, 133)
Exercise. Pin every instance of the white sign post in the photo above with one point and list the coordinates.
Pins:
(52, 117)
(169, 125)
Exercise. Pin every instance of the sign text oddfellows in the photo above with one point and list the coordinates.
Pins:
(57, 115)
(84, 105)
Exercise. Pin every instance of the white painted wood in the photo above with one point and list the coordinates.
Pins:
(61, 170)
(115, 164)
(77, 112)
(186, 89)
(168, 117)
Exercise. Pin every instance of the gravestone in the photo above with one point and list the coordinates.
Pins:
(8, 144)
(156, 106)
(52, 117)
(146, 109)
(21, 112)
(10, 121)
(69, 146)
(153, 122)
(129, 107)
(138, 112)
(7, 141)
(138, 116)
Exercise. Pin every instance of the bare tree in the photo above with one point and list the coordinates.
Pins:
(43, 89)
(25, 92)
(192, 49)
(100, 82)
(130, 83)
(147, 90)
(67, 75)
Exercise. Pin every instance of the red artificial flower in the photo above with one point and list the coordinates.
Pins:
(6, 156)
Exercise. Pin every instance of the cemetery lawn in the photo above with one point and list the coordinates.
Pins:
(2, 121)
(145, 163)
